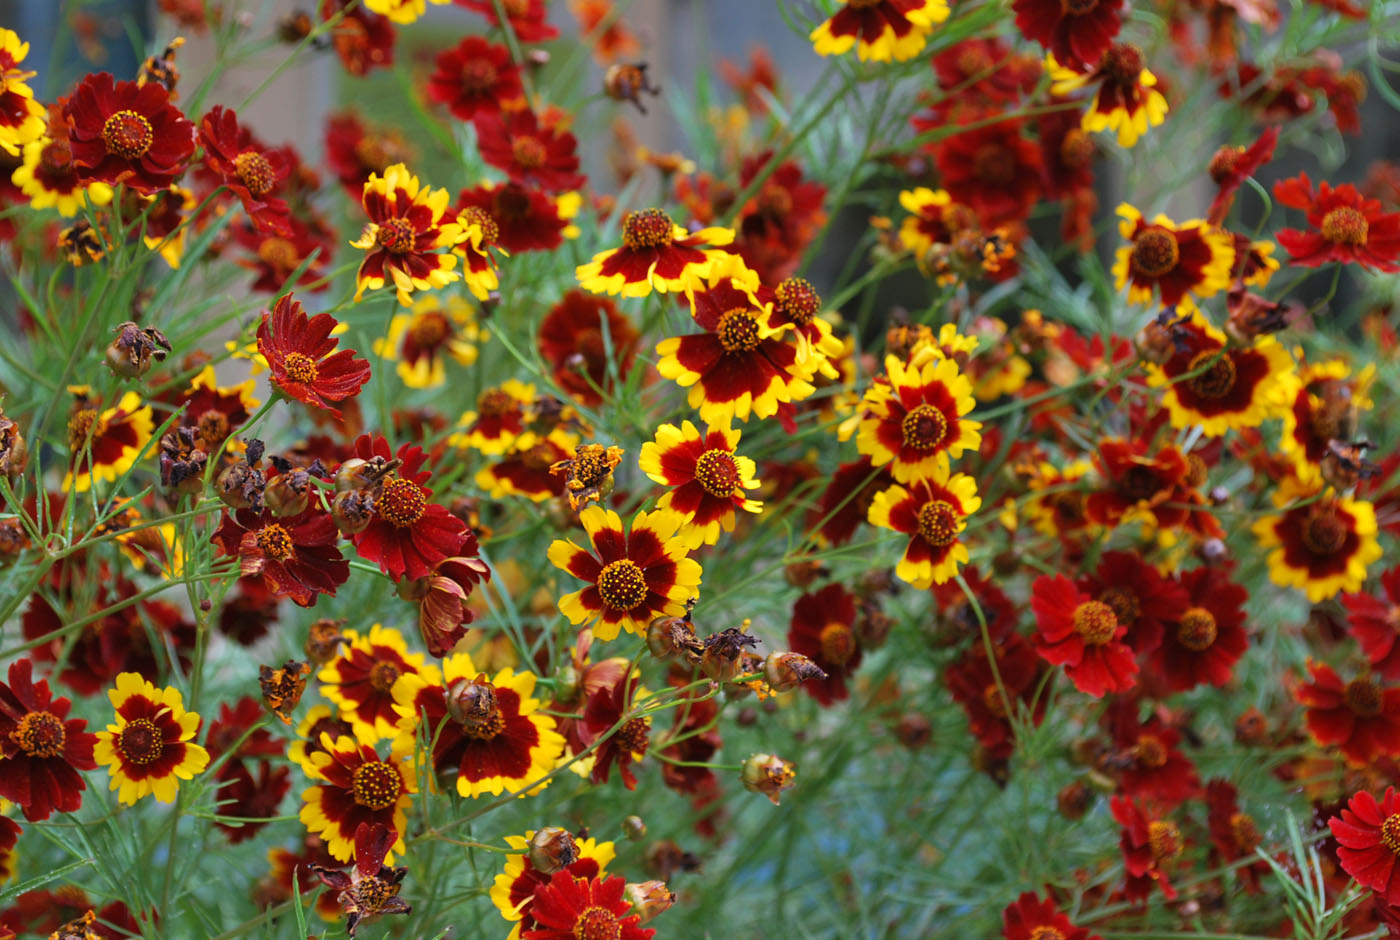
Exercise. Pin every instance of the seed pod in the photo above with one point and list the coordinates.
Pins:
(472, 702)
(785, 671)
(13, 452)
(768, 774)
(323, 640)
(552, 849)
(132, 352)
(634, 828)
(648, 898)
(288, 493)
(672, 636)
(240, 486)
(352, 511)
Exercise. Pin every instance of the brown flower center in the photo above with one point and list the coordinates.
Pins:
(401, 502)
(1078, 7)
(278, 253)
(383, 675)
(646, 228)
(255, 172)
(141, 742)
(40, 734)
(1223, 164)
(1197, 629)
(1245, 832)
(212, 428)
(1122, 63)
(276, 542)
(622, 584)
(396, 236)
(1218, 379)
(938, 523)
(1076, 148)
(1155, 252)
(1345, 226)
(1150, 751)
(925, 427)
(1390, 833)
(1095, 622)
(635, 735)
(371, 894)
(994, 165)
(300, 367)
(993, 701)
(738, 331)
(475, 215)
(127, 135)
(1126, 606)
(1165, 840)
(495, 403)
(1045, 932)
(1364, 697)
(798, 300)
(838, 643)
(57, 156)
(597, 923)
(1323, 531)
(429, 330)
(477, 76)
(376, 785)
(974, 59)
(717, 473)
(528, 152)
(80, 428)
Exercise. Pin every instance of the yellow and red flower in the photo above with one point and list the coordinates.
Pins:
(589, 344)
(360, 680)
(21, 117)
(151, 746)
(1324, 409)
(477, 244)
(400, 11)
(514, 888)
(121, 132)
(50, 180)
(356, 786)
(408, 225)
(1127, 100)
(1193, 257)
(1076, 32)
(915, 422)
(524, 469)
(41, 748)
(708, 480)
(656, 255)
(423, 340)
(933, 512)
(500, 417)
(633, 577)
(932, 220)
(881, 30)
(1322, 545)
(298, 351)
(103, 443)
(1346, 227)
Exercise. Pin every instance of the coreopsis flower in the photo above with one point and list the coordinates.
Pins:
(1210, 383)
(1076, 33)
(601, 22)
(275, 258)
(1232, 165)
(1234, 833)
(1126, 101)
(845, 503)
(283, 687)
(932, 219)
(362, 39)
(1192, 257)
(528, 19)
(21, 117)
(50, 180)
(1345, 226)
(604, 711)
(768, 774)
(1150, 847)
(298, 352)
(1142, 599)
(41, 748)
(406, 536)
(1207, 638)
(1156, 489)
(990, 696)
(296, 556)
(635, 576)
(408, 224)
(916, 422)
(215, 411)
(488, 734)
(476, 243)
(514, 888)
(400, 11)
(933, 511)
(502, 412)
(1321, 546)
(371, 890)
(527, 218)
(120, 132)
(588, 474)
(103, 443)
(656, 255)
(589, 345)
(570, 908)
(356, 786)
(442, 598)
(1324, 408)
(1361, 717)
(151, 746)
(1083, 635)
(1030, 918)
(319, 720)
(436, 330)
(1373, 623)
(356, 152)
(881, 30)
(249, 787)
(993, 169)
(822, 628)
(526, 469)
(1147, 762)
(528, 150)
(360, 679)
(250, 170)
(708, 479)
(1368, 836)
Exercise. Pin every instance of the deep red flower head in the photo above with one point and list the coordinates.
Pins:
(1231, 166)
(1030, 918)
(251, 170)
(1083, 635)
(584, 338)
(529, 151)
(407, 536)
(984, 68)
(527, 18)
(1077, 32)
(41, 751)
(474, 76)
(276, 257)
(1149, 764)
(845, 503)
(1346, 227)
(122, 133)
(296, 556)
(823, 628)
(1150, 845)
(298, 354)
(984, 694)
(1234, 833)
(606, 706)
(1368, 834)
(1141, 598)
(1207, 637)
(993, 169)
(1360, 717)
(570, 908)
(958, 616)
(777, 224)
(1376, 624)
(527, 218)
(363, 40)
(355, 151)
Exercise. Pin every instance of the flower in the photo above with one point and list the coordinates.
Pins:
(570, 908)
(617, 741)
(50, 180)
(476, 243)
(634, 576)
(239, 793)
(1150, 846)
(1234, 833)
(1127, 100)
(932, 219)
(120, 132)
(488, 733)
(1321, 546)
(992, 169)
(1193, 257)
(103, 443)
(1142, 600)
(252, 171)
(589, 345)
(400, 11)
(21, 117)
(1368, 834)
(1030, 918)
(360, 680)
(151, 743)
(500, 417)
(708, 479)
(355, 786)
(1360, 717)
(363, 40)
(915, 422)
(1207, 637)
(41, 749)
(407, 225)
(656, 254)
(356, 152)
(933, 512)
(275, 258)
(528, 151)
(514, 888)
(371, 890)
(295, 557)
(436, 330)
(442, 598)
(528, 19)
(1156, 489)
(407, 536)
(881, 30)
(1347, 228)
(527, 218)
(214, 412)
(1147, 761)
(1374, 623)
(298, 354)
(1323, 409)
(822, 628)
(1083, 635)
(526, 469)
(1077, 33)
(990, 696)
(1232, 165)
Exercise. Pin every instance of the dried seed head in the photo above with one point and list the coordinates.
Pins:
(552, 849)
(648, 898)
(786, 670)
(768, 774)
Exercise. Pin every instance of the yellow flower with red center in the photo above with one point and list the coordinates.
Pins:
(408, 226)
(933, 219)
(633, 576)
(500, 417)
(150, 747)
(933, 512)
(1325, 408)
(488, 734)
(1322, 542)
(656, 254)
(525, 469)
(915, 422)
(50, 180)
(881, 30)
(513, 890)
(103, 443)
(1127, 100)
(423, 340)
(708, 480)
(1193, 257)
(21, 117)
(357, 786)
(360, 680)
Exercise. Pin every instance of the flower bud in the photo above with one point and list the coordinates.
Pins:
(551, 849)
(352, 511)
(13, 451)
(323, 640)
(566, 683)
(358, 474)
(634, 828)
(1073, 799)
(768, 774)
(724, 652)
(13, 539)
(913, 730)
(785, 671)
(288, 493)
(130, 355)
(672, 636)
(648, 898)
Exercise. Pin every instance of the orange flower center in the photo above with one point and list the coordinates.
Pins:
(599, 923)
(1095, 622)
(837, 642)
(1324, 533)
(382, 676)
(255, 172)
(528, 151)
(646, 228)
(1076, 148)
(1245, 832)
(974, 59)
(1078, 7)
(938, 523)
(516, 8)
(371, 894)
(376, 785)
(477, 76)
(774, 200)
(495, 403)
(798, 300)
(300, 367)
(622, 584)
(397, 236)
(738, 331)
(1155, 252)
(80, 427)
(475, 215)
(994, 165)
(1390, 833)
(1218, 379)
(924, 428)
(1165, 840)
(1363, 697)
(429, 330)
(1124, 602)
(635, 735)
(1122, 63)
(1345, 226)
(276, 542)
(212, 428)
(1044, 932)
(401, 502)
(992, 700)
(127, 135)
(141, 742)
(717, 473)
(1149, 751)
(40, 734)
(1222, 165)
(278, 253)
(1197, 629)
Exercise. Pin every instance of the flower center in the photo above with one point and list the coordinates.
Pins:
(1076, 148)
(475, 215)
(141, 742)
(1149, 751)
(622, 584)
(1122, 63)
(1223, 164)
(477, 76)
(212, 428)
(80, 427)
(429, 330)
(1345, 226)
(1245, 832)
(1363, 697)
(646, 228)
(40, 734)
(938, 523)
(1323, 532)
(255, 172)
(1218, 379)
(371, 894)
(717, 473)
(974, 59)
(1095, 622)
(635, 735)
(1390, 833)
(511, 201)
(1044, 932)
(383, 675)
(278, 253)
(738, 331)
(1155, 252)
(57, 157)
(994, 165)
(798, 300)
(992, 700)
(376, 785)
(837, 643)
(528, 152)
(516, 8)
(401, 502)
(495, 403)
(276, 542)
(1126, 608)
(775, 200)
(924, 428)
(127, 135)
(1078, 7)
(1197, 629)
(396, 235)
(300, 368)
(597, 923)
(1165, 840)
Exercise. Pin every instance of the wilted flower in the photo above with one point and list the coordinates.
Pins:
(768, 774)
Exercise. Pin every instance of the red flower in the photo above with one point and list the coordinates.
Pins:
(1361, 717)
(371, 889)
(777, 224)
(276, 257)
(1231, 166)
(1348, 228)
(1083, 635)
(1077, 32)
(1376, 624)
(527, 18)
(975, 687)
(529, 152)
(1141, 599)
(1207, 637)
(1158, 488)
(1369, 837)
(250, 170)
(41, 751)
(822, 628)
(1029, 918)
(442, 598)
(296, 557)
(474, 76)
(1234, 833)
(407, 536)
(356, 152)
(250, 786)
(586, 340)
(1149, 764)
(120, 132)
(363, 40)
(1149, 846)
(298, 354)
(527, 218)
(570, 908)
(606, 707)
(993, 169)
(845, 503)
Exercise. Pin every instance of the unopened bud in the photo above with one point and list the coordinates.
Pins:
(358, 474)
(13, 451)
(634, 828)
(785, 671)
(648, 898)
(552, 849)
(240, 486)
(768, 774)
(913, 730)
(323, 640)
(1073, 799)
(671, 636)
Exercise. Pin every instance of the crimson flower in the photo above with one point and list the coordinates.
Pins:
(1369, 837)
(993, 169)
(606, 707)
(41, 751)
(407, 536)
(1346, 227)
(528, 19)
(1208, 637)
(295, 556)
(570, 908)
(1360, 717)
(1376, 624)
(474, 77)
(120, 132)
(251, 171)
(1231, 166)
(527, 218)
(442, 598)
(1149, 847)
(527, 151)
(1077, 32)
(822, 628)
(1030, 918)
(1083, 635)
(298, 354)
